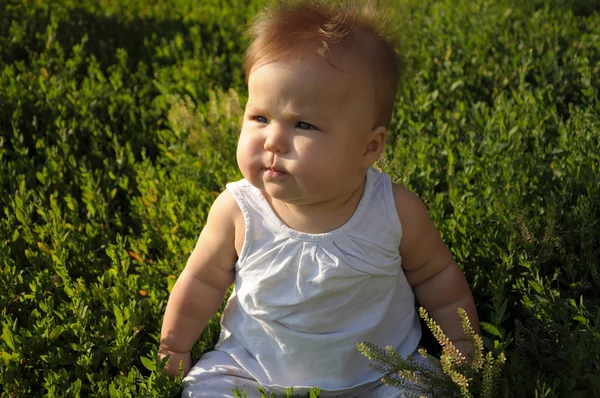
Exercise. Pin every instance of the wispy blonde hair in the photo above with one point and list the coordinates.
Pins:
(370, 32)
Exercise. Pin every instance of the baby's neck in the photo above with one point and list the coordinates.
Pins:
(321, 217)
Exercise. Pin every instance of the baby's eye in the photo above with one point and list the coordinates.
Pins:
(260, 119)
(305, 126)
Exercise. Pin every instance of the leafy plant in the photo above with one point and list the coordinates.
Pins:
(474, 375)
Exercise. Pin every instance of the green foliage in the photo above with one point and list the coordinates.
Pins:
(313, 393)
(118, 126)
(498, 134)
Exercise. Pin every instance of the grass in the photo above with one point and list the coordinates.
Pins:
(118, 126)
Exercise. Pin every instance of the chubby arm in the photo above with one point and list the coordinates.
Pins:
(438, 282)
(201, 287)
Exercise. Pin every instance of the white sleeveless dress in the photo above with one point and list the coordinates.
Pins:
(303, 301)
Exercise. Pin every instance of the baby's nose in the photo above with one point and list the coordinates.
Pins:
(276, 140)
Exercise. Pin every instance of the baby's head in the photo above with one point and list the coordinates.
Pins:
(354, 36)
(322, 81)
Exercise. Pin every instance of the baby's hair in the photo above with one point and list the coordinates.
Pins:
(367, 31)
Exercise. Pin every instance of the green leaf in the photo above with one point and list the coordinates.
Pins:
(112, 391)
(491, 329)
(457, 84)
(536, 286)
(57, 331)
(20, 216)
(6, 357)
(8, 337)
(587, 92)
(40, 177)
(118, 315)
(148, 363)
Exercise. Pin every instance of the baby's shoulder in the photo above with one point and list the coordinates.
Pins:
(405, 200)
(225, 207)
(423, 252)
(228, 214)
(410, 208)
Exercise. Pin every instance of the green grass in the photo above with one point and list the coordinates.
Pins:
(118, 126)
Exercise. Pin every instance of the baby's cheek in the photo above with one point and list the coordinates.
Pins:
(244, 165)
(244, 151)
(248, 166)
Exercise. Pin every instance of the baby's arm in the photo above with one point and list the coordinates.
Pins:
(438, 282)
(201, 287)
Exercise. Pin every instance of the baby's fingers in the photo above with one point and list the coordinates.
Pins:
(174, 362)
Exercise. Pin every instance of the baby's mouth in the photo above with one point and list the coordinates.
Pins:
(271, 172)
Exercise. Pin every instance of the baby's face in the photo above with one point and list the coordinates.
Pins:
(305, 131)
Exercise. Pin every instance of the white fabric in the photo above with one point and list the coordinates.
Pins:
(303, 301)
(217, 375)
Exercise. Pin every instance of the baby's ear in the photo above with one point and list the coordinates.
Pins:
(374, 145)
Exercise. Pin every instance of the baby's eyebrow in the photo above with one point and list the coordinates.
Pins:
(312, 112)
(293, 114)
(309, 116)
(251, 105)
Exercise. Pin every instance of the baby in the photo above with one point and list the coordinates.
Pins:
(324, 250)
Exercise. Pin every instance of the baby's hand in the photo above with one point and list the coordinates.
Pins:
(172, 367)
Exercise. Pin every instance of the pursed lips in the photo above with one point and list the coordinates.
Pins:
(275, 166)
(274, 172)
